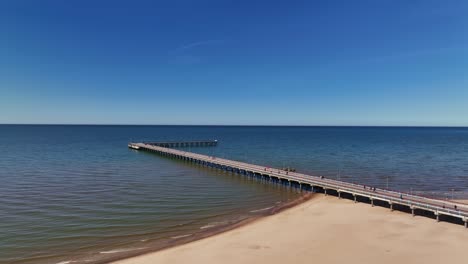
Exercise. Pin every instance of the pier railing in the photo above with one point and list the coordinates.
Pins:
(438, 207)
(179, 144)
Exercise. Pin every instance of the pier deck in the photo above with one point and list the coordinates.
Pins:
(411, 203)
(181, 144)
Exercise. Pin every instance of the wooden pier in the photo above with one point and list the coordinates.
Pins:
(182, 144)
(414, 204)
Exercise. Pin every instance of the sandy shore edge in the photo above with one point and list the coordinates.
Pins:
(219, 230)
(325, 229)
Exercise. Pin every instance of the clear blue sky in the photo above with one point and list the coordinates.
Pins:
(375, 62)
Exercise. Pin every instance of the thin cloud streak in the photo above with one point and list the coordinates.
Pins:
(197, 44)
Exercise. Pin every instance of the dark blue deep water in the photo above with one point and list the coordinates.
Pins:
(78, 193)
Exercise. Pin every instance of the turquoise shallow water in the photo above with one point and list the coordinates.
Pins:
(78, 193)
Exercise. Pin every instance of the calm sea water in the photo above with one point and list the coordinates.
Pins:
(78, 193)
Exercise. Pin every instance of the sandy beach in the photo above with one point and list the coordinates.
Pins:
(326, 229)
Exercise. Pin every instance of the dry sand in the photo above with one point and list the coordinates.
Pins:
(326, 230)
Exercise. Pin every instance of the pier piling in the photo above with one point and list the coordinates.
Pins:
(277, 176)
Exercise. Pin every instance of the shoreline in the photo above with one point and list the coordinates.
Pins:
(131, 253)
(316, 229)
(211, 232)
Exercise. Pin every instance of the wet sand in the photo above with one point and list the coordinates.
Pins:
(205, 233)
(325, 229)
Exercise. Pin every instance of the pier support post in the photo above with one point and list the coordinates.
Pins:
(391, 207)
(339, 195)
(437, 217)
(372, 202)
(412, 211)
(325, 191)
(355, 198)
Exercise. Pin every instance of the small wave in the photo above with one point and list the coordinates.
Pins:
(263, 209)
(119, 250)
(176, 237)
(207, 226)
(65, 262)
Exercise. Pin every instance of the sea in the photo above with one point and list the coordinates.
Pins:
(77, 193)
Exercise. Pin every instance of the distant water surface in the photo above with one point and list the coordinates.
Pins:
(78, 193)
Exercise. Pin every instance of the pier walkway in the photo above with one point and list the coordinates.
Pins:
(181, 144)
(438, 209)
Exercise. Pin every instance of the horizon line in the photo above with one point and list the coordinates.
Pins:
(232, 125)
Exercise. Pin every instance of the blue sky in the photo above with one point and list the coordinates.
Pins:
(375, 62)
